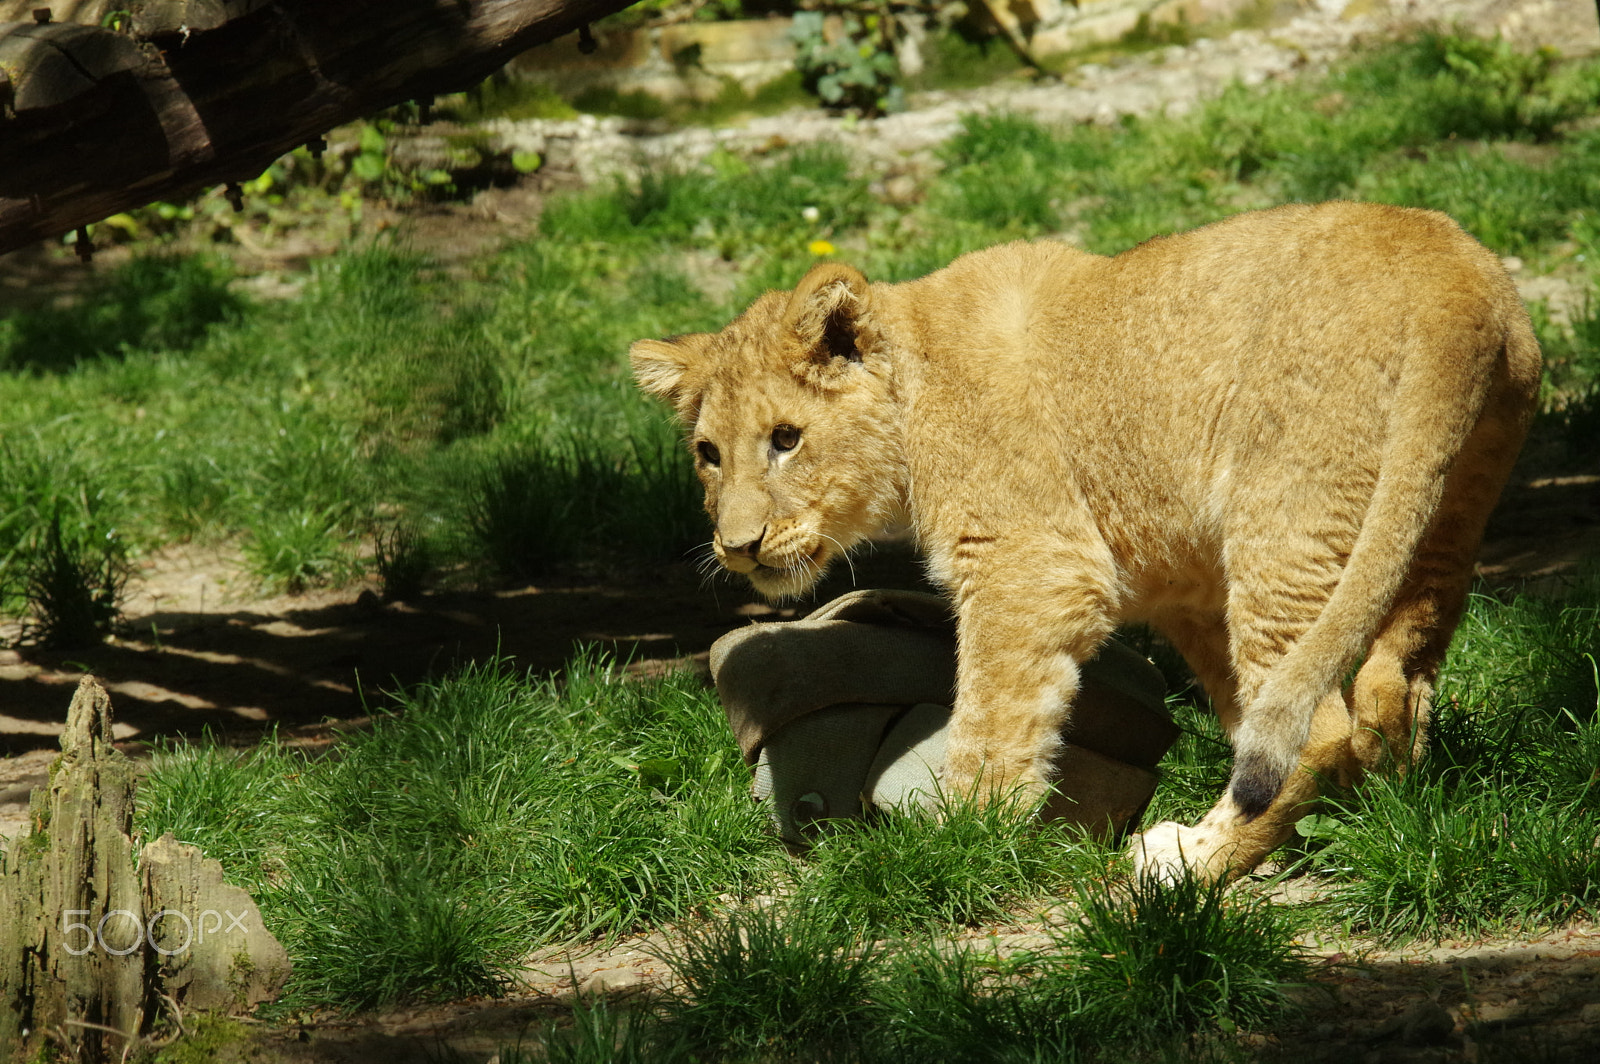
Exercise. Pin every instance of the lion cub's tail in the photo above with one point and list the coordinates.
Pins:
(1425, 436)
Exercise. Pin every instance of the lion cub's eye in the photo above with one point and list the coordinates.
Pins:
(709, 453)
(785, 438)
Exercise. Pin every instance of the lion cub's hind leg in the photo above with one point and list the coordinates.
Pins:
(1392, 695)
(1222, 844)
(1275, 595)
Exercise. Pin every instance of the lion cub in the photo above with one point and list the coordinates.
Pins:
(1275, 439)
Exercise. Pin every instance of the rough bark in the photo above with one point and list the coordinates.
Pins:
(95, 951)
(176, 95)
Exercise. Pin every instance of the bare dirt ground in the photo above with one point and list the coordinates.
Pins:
(199, 651)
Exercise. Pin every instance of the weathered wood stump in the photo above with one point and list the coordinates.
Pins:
(96, 950)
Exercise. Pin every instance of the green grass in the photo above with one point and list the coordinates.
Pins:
(155, 303)
(962, 866)
(941, 1001)
(1167, 972)
(600, 1034)
(770, 978)
(512, 813)
(1459, 854)
(1173, 958)
(299, 549)
(516, 812)
(1402, 124)
(733, 205)
(1497, 827)
(540, 506)
(403, 559)
(1570, 391)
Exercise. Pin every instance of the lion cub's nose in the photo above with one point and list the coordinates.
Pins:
(747, 549)
(741, 557)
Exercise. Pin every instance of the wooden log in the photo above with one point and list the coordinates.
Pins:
(183, 94)
(94, 951)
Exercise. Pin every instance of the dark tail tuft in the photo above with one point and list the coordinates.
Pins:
(1255, 785)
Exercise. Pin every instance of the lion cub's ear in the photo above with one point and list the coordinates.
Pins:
(665, 368)
(828, 312)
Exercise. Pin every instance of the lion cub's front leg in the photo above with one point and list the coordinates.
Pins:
(1021, 634)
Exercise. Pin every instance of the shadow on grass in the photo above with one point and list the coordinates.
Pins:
(238, 671)
(154, 302)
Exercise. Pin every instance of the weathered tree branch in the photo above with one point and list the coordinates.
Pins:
(176, 95)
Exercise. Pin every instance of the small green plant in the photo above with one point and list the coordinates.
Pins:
(374, 167)
(960, 866)
(73, 582)
(772, 977)
(300, 549)
(601, 1033)
(1570, 392)
(1174, 957)
(1499, 89)
(939, 1001)
(857, 71)
(404, 560)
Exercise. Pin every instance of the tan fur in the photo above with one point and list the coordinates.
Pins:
(1275, 439)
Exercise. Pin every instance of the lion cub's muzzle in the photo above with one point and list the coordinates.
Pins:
(775, 564)
(740, 557)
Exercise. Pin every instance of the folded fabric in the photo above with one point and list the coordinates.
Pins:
(847, 711)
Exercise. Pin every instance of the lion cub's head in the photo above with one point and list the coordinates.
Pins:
(791, 427)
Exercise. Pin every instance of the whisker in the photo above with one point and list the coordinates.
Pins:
(843, 553)
(705, 563)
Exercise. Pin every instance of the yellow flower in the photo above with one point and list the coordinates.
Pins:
(821, 247)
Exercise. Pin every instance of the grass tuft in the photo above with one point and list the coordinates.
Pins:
(542, 505)
(73, 582)
(300, 549)
(601, 1034)
(378, 924)
(1179, 957)
(771, 977)
(958, 866)
(404, 560)
(1459, 854)
(941, 1001)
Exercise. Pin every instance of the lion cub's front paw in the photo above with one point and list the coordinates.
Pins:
(1168, 851)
